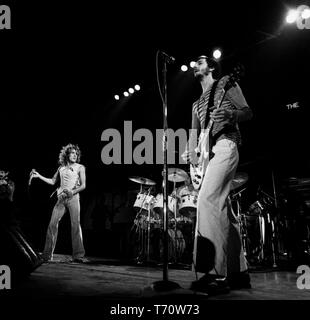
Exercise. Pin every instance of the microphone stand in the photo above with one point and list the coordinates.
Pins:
(273, 231)
(165, 284)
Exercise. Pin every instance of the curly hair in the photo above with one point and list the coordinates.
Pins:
(65, 154)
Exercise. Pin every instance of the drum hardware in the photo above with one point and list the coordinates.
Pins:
(144, 229)
(144, 199)
(270, 221)
(261, 221)
(239, 180)
(144, 202)
(242, 220)
(256, 213)
(142, 181)
(150, 215)
(158, 206)
(267, 230)
(177, 175)
(273, 240)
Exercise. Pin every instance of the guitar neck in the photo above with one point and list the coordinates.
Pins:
(217, 105)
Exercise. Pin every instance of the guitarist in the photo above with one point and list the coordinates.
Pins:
(218, 250)
(72, 182)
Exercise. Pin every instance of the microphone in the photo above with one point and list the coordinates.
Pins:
(31, 176)
(169, 59)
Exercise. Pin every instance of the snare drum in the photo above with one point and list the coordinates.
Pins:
(159, 205)
(144, 202)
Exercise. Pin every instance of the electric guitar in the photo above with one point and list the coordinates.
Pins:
(197, 169)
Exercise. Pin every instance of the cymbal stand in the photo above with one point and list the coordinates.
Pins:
(242, 223)
(270, 220)
(140, 229)
(147, 234)
(273, 235)
(148, 231)
(141, 208)
(261, 222)
(175, 246)
(273, 239)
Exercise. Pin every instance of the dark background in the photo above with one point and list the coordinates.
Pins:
(61, 65)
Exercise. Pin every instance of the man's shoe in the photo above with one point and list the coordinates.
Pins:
(211, 284)
(45, 258)
(80, 260)
(239, 280)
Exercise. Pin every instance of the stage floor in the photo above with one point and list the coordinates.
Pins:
(112, 279)
(102, 281)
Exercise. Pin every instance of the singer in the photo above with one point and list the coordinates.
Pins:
(218, 249)
(72, 181)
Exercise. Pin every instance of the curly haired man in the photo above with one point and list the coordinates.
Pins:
(72, 181)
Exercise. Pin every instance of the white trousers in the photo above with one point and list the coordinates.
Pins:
(73, 205)
(218, 246)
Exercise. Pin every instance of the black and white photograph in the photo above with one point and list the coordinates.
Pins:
(154, 157)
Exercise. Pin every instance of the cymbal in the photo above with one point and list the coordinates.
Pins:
(142, 180)
(240, 179)
(177, 175)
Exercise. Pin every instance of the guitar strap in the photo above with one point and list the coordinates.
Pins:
(210, 105)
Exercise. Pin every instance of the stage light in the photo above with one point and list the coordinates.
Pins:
(192, 64)
(217, 54)
(292, 16)
(130, 90)
(184, 68)
(137, 87)
(305, 14)
(126, 94)
(116, 97)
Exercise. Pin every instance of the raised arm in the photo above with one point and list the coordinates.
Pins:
(52, 181)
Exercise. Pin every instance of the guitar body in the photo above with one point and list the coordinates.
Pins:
(197, 170)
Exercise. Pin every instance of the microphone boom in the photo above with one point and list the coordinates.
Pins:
(169, 59)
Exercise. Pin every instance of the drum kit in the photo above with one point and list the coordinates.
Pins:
(257, 226)
(150, 216)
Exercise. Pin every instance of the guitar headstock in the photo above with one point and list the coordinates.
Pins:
(235, 75)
